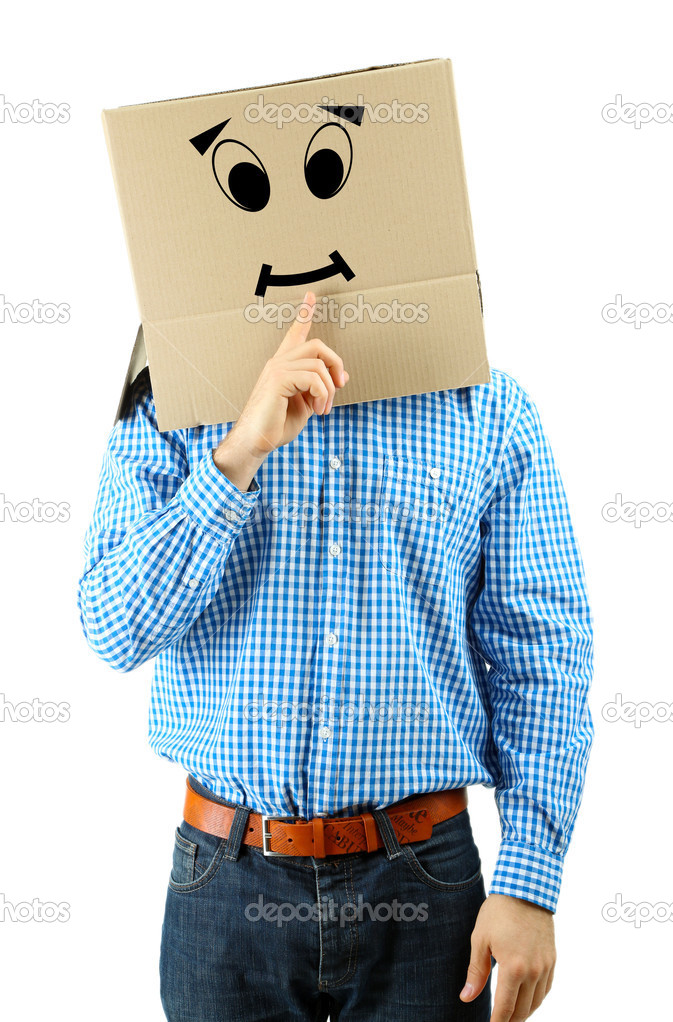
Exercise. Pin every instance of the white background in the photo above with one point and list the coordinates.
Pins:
(568, 211)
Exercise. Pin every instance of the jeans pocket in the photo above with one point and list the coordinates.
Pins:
(196, 857)
(449, 859)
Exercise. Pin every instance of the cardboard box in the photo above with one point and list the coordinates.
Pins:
(234, 204)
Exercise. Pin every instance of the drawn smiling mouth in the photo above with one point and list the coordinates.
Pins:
(269, 279)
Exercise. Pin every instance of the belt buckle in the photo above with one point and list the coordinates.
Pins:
(266, 833)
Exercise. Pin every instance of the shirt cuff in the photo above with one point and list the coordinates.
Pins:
(214, 502)
(526, 871)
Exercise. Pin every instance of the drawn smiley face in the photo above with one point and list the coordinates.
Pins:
(242, 177)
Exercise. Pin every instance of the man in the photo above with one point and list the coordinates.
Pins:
(404, 617)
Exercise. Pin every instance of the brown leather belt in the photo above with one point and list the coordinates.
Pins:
(412, 819)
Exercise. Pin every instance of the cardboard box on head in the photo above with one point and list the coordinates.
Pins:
(234, 204)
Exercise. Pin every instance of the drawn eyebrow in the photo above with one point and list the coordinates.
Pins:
(350, 113)
(203, 141)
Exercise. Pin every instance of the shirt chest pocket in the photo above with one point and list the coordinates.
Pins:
(428, 518)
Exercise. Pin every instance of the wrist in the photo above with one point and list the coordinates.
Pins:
(237, 461)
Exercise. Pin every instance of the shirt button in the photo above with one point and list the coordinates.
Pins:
(335, 549)
(322, 814)
(193, 584)
(230, 516)
(331, 639)
(334, 463)
(435, 472)
(325, 732)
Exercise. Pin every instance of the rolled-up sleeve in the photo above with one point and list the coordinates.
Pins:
(532, 623)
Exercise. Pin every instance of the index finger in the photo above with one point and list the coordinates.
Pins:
(298, 331)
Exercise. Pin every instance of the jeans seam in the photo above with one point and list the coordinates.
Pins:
(352, 958)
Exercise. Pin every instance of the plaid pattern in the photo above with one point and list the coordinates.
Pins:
(396, 605)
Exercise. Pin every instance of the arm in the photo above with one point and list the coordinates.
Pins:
(158, 542)
(532, 624)
(160, 536)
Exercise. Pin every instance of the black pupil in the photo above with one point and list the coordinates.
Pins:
(249, 186)
(324, 173)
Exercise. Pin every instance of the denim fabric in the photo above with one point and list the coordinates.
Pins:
(372, 937)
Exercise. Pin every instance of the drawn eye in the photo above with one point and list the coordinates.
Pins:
(328, 160)
(241, 175)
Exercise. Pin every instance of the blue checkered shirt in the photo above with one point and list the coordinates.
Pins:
(396, 605)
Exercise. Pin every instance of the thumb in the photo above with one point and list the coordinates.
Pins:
(477, 972)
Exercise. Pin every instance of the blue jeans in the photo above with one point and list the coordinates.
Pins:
(370, 936)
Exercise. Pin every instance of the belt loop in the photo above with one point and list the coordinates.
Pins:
(238, 826)
(392, 845)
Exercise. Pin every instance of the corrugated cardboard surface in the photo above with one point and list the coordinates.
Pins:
(401, 222)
